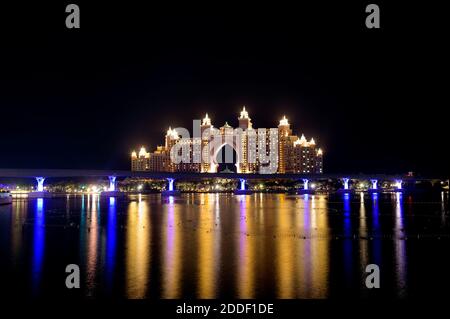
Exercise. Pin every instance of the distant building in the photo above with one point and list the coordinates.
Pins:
(304, 157)
(159, 160)
(293, 154)
(141, 161)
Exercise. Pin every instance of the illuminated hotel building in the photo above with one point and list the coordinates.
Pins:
(294, 154)
(140, 162)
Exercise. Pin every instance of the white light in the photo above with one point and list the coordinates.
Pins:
(206, 120)
(142, 152)
(284, 121)
(244, 114)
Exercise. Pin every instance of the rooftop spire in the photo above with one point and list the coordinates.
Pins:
(172, 133)
(302, 139)
(142, 152)
(284, 121)
(206, 120)
(244, 114)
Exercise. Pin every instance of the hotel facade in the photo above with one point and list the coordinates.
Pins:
(262, 150)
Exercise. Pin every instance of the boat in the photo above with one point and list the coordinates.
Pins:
(5, 198)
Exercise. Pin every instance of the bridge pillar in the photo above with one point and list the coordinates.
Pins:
(170, 185)
(112, 190)
(170, 188)
(39, 192)
(305, 189)
(374, 186)
(345, 180)
(398, 185)
(346, 188)
(242, 184)
(374, 183)
(305, 184)
(40, 184)
(242, 188)
(112, 183)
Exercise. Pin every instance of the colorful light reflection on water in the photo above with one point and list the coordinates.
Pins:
(219, 245)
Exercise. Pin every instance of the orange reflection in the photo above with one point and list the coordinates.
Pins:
(302, 265)
(138, 250)
(246, 242)
(208, 246)
(364, 249)
(19, 210)
(287, 256)
(172, 247)
(319, 248)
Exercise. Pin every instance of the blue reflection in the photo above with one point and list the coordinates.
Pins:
(375, 212)
(398, 198)
(376, 230)
(111, 240)
(348, 241)
(38, 242)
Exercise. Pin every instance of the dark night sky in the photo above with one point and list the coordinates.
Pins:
(373, 99)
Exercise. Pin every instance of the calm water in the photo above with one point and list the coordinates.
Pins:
(222, 245)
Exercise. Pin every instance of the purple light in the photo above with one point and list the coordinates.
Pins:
(242, 184)
(398, 184)
(40, 183)
(112, 183)
(111, 241)
(170, 180)
(374, 183)
(38, 242)
(345, 183)
(305, 183)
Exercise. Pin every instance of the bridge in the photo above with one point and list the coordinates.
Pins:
(41, 174)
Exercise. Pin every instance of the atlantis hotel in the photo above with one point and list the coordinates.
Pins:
(293, 154)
